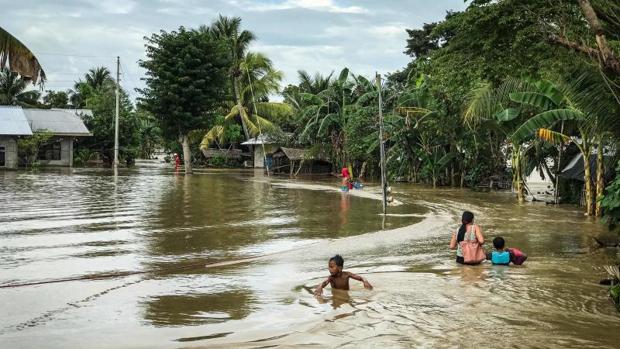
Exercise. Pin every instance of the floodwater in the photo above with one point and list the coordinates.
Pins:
(150, 259)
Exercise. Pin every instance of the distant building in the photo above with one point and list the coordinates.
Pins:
(260, 143)
(293, 161)
(64, 124)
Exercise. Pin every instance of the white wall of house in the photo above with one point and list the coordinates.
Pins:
(9, 145)
(259, 160)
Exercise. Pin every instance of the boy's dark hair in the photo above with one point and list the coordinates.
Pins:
(338, 260)
(498, 242)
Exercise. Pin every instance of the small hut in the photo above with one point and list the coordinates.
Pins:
(257, 145)
(293, 161)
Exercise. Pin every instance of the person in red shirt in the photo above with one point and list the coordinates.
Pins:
(346, 178)
(177, 161)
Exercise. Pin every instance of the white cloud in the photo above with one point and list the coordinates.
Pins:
(121, 7)
(315, 5)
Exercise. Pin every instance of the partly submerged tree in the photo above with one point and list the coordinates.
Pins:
(185, 82)
(19, 58)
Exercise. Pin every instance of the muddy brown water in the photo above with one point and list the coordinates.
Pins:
(227, 259)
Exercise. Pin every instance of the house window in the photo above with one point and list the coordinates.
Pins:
(2, 156)
(50, 151)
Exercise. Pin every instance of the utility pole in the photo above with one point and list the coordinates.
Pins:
(382, 147)
(117, 92)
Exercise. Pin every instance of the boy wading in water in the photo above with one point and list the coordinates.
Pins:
(339, 279)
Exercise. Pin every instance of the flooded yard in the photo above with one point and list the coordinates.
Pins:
(150, 259)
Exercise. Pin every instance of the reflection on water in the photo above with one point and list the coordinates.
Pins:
(197, 309)
(155, 232)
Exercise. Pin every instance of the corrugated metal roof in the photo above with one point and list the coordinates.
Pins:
(261, 139)
(61, 122)
(13, 122)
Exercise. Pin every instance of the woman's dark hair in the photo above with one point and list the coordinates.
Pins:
(467, 218)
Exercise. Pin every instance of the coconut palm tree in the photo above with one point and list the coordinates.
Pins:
(94, 80)
(257, 114)
(13, 90)
(19, 58)
(228, 29)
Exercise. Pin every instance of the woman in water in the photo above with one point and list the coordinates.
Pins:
(468, 230)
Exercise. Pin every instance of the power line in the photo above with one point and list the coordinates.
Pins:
(71, 55)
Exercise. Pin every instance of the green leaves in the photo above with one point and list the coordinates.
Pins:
(534, 99)
(187, 77)
(508, 114)
(544, 120)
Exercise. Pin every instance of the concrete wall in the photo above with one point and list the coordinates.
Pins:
(259, 161)
(66, 153)
(10, 151)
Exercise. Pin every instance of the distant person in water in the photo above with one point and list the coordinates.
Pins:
(338, 278)
(467, 230)
(177, 161)
(500, 255)
(346, 178)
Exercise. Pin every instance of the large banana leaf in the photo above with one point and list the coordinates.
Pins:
(507, 114)
(344, 75)
(445, 160)
(328, 120)
(367, 97)
(551, 136)
(550, 91)
(533, 98)
(544, 120)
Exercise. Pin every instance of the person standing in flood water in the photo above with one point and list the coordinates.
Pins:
(467, 230)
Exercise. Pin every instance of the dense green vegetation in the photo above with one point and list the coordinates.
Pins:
(490, 93)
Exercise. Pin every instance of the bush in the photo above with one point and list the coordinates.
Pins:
(611, 201)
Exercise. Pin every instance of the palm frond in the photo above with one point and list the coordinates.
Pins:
(19, 58)
(215, 133)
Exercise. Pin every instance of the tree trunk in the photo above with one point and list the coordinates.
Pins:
(597, 28)
(587, 177)
(452, 174)
(517, 178)
(187, 155)
(600, 181)
(605, 55)
(240, 108)
(363, 170)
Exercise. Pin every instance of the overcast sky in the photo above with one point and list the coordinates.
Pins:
(71, 36)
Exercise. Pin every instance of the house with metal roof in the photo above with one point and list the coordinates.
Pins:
(263, 146)
(65, 125)
(13, 124)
